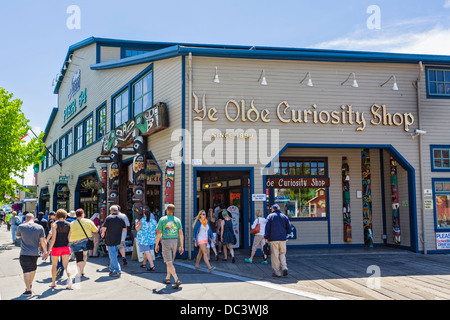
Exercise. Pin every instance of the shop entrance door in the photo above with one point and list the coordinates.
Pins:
(229, 190)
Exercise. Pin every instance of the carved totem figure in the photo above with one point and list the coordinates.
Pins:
(114, 175)
(139, 177)
(346, 200)
(395, 202)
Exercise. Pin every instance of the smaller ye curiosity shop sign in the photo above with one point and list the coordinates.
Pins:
(443, 240)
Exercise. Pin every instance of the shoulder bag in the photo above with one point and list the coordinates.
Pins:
(256, 229)
(90, 243)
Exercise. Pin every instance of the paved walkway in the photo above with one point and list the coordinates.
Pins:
(346, 274)
(352, 273)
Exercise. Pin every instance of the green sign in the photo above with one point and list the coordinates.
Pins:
(63, 179)
(71, 109)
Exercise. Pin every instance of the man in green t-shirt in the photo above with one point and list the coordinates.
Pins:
(168, 230)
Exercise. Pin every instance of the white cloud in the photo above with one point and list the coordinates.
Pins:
(432, 41)
(447, 4)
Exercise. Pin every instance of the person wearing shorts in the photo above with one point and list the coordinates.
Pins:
(80, 231)
(202, 237)
(59, 246)
(258, 240)
(146, 237)
(168, 231)
(32, 235)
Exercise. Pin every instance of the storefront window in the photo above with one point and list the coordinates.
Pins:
(142, 94)
(302, 202)
(441, 158)
(62, 196)
(300, 168)
(101, 122)
(79, 137)
(442, 194)
(62, 148)
(121, 108)
(300, 187)
(69, 143)
(88, 130)
(438, 83)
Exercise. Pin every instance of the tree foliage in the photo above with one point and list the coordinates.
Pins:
(16, 155)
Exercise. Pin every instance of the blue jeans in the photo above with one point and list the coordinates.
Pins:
(114, 265)
(13, 232)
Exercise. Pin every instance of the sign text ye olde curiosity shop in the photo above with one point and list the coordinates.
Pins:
(235, 111)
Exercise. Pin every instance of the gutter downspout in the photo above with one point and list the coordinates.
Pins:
(417, 86)
(189, 161)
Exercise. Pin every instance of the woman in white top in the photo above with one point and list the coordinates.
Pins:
(258, 241)
(202, 236)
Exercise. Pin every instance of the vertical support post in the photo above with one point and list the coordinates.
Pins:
(395, 202)
(367, 198)
(346, 200)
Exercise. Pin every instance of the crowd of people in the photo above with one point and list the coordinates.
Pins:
(60, 235)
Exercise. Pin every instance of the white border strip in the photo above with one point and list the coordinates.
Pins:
(262, 283)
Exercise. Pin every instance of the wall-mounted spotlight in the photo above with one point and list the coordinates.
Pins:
(92, 166)
(394, 87)
(216, 77)
(262, 78)
(310, 83)
(355, 84)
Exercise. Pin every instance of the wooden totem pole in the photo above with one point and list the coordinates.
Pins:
(346, 200)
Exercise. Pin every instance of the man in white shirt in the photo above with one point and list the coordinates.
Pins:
(124, 235)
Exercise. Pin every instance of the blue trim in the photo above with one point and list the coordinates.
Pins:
(234, 51)
(152, 56)
(91, 114)
(245, 221)
(434, 181)
(117, 93)
(129, 87)
(383, 195)
(183, 173)
(49, 123)
(136, 79)
(97, 120)
(399, 158)
(438, 146)
(435, 95)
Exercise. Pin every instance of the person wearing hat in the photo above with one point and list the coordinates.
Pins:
(276, 231)
(71, 216)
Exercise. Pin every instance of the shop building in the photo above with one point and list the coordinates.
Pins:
(352, 145)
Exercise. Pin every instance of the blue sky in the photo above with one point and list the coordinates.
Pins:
(35, 37)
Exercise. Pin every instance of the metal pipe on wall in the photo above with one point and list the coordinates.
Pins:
(417, 86)
(189, 158)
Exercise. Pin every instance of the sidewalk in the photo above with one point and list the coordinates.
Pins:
(347, 274)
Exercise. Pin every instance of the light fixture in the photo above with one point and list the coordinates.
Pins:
(70, 58)
(417, 132)
(92, 166)
(310, 83)
(355, 84)
(262, 78)
(394, 87)
(216, 77)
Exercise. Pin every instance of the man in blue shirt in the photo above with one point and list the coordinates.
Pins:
(277, 229)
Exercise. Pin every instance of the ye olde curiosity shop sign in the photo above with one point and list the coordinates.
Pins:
(234, 111)
(297, 182)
